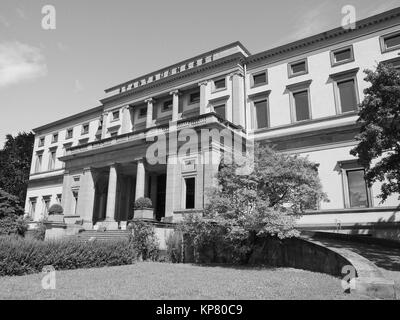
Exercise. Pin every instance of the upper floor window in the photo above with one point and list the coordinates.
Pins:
(54, 138)
(167, 105)
(52, 160)
(220, 84)
(194, 97)
(342, 55)
(390, 42)
(190, 187)
(38, 164)
(346, 92)
(70, 133)
(259, 79)
(220, 110)
(395, 63)
(115, 115)
(297, 68)
(41, 142)
(260, 114)
(85, 128)
(300, 106)
(142, 112)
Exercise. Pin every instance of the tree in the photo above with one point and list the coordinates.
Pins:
(11, 221)
(15, 163)
(264, 203)
(378, 146)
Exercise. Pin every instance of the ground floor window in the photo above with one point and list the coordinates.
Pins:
(357, 189)
(190, 193)
(75, 196)
(46, 205)
(32, 206)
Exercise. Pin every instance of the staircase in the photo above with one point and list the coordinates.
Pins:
(90, 235)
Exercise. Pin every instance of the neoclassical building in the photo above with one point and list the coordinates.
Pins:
(301, 97)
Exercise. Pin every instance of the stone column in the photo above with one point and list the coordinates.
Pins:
(86, 197)
(203, 96)
(172, 193)
(238, 105)
(66, 200)
(140, 180)
(126, 120)
(175, 104)
(104, 125)
(149, 119)
(111, 198)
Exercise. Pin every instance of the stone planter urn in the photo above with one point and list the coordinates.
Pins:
(145, 213)
(143, 209)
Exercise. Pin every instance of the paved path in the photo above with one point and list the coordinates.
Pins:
(386, 259)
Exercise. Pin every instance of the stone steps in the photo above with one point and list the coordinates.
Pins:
(91, 235)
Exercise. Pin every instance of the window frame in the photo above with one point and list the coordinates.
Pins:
(215, 89)
(67, 136)
(54, 138)
(335, 63)
(390, 61)
(342, 77)
(41, 142)
(184, 191)
(39, 163)
(296, 88)
(257, 98)
(258, 73)
(83, 132)
(113, 115)
(169, 106)
(32, 209)
(219, 105)
(383, 38)
(290, 70)
(140, 116)
(349, 166)
(52, 161)
(190, 97)
(45, 209)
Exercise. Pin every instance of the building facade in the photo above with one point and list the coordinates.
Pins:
(301, 98)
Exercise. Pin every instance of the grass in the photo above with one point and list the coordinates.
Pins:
(150, 280)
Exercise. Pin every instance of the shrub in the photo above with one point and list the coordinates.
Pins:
(143, 203)
(56, 209)
(174, 247)
(144, 240)
(39, 232)
(13, 224)
(20, 256)
(9, 205)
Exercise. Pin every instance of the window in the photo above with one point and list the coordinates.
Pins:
(194, 97)
(220, 84)
(301, 106)
(297, 68)
(259, 79)
(142, 112)
(41, 142)
(341, 56)
(114, 134)
(54, 138)
(347, 95)
(83, 141)
(85, 128)
(357, 188)
(46, 205)
(220, 110)
(75, 196)
(190, 193)
(115, 115)
(59, 198)
(38, 165)
(52, 160)
(70, 133)
(345, 89)
(395, 63)
(32, 206)
(260, 119)
(390, 42)
(167, 105)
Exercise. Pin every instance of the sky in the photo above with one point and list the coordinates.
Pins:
(46, 75)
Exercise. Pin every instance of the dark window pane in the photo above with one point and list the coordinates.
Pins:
(357, 189)
(195, 97)
(142, 112)
(190, 192)
(167, 105)
(219, 84)
(261, 114)
(115, 115)
(347, 92)
(220, 110)
(301, 105)
(298, 67)
(392, 41)
(260, 79)
(342, 55)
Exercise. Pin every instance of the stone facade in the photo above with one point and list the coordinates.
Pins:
(295, 97)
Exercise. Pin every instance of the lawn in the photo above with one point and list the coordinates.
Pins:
(148, 280)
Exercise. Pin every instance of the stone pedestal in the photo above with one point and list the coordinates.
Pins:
(144, 214)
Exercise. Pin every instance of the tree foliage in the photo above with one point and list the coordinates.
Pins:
(11, 220)
(15, 163)
(378, 146)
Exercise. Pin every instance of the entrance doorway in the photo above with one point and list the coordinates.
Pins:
(161, 191)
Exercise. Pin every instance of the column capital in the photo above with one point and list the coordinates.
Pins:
(175, 92)
(127, 106)
(203, 83)
(149, 100)
(236, 73)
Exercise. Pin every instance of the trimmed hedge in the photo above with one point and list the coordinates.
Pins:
(21, 256)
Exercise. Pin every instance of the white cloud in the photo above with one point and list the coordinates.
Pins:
(20, 62)
(4, 21)
(21, 13)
